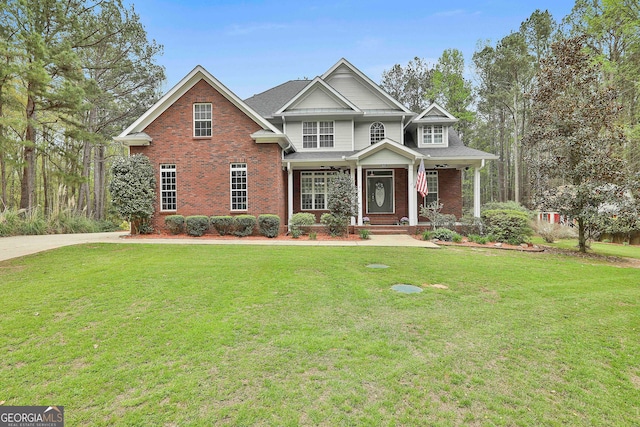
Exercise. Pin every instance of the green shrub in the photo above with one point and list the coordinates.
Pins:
(470, 224)
(175, 223)
(269, 225)
(481, 240)
(502, 206)
(302, 221)
(295, 233)
(197, 225)
(243, 225)
(334, 225)
(364, 233)
(145, 226)
(510, 226)
(444, 234)
(313, 235)
(456, 238)
(9, 222)
(223, 224)
(427, 235)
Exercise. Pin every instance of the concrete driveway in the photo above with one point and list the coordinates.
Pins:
(17, 246)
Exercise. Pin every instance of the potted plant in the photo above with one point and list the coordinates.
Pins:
(366, 220)
(404, 220)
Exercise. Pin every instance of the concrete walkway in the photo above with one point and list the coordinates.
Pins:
(17, 246)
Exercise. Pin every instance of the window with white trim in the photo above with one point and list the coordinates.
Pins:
(313, 190)
(202, 119)
(238, 181)
(317, 134)
(168, 188)
(376, 132)
(433, 134)
(432, 187)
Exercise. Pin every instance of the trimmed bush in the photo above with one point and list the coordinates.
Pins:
(510, 226)
(335, 226)
(244, 225)
(223, 224)
(197, 225)
(302, 221)
(175, 223)
(445, 235)
(470, 224)
(364, 233)
(269, 225)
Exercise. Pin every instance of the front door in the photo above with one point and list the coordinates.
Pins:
(380, 192)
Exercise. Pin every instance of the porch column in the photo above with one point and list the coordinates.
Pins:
(413, 198)
(352, 174)
(476, 192)
(359, 194)
(289, 195)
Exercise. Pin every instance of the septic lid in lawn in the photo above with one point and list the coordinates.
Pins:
(406, 289)
(377, 266)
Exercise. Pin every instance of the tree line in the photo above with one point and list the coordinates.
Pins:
(73, 74)
(495, 106)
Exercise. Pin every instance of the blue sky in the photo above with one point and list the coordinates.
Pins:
(251, 45)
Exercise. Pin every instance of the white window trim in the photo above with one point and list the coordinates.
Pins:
(313, 175)
(318, 134)
(233, 167)
(429, 187)
(384, 132)
(168, 167)
(393, 185)
(210, 120)
(445, 136)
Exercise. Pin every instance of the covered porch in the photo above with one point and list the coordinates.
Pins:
(384, 174)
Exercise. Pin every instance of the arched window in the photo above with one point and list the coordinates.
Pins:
(376, 132)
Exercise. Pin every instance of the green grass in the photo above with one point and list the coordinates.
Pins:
(599, 248)
(170, 335)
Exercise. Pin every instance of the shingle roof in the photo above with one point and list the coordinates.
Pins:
(270, 101)
(456, 149)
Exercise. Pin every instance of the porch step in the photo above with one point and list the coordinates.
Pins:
(384, 229)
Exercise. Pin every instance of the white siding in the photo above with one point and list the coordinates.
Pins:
(363, 97)
(393, 130)
(317, 99)
(342, 135)
(384, 157)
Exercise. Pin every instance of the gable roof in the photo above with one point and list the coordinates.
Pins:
(387, 144)
(434, 113)
(268, 102)
(319, 84)
(197, 74)
(363, 77)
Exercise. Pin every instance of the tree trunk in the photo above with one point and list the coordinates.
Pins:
(501, 174)
(99, 177)
(582, 238)
(3, 183)
(28, 184)
(83, 196)
(516, 154)
(45, 184)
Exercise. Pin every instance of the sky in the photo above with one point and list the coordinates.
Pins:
(251, 46)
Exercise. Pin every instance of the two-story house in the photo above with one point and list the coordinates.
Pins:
(275, 152)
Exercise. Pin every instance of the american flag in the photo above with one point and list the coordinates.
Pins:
(421, 181)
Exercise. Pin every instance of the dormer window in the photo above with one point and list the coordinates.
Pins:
(202, 119)
(433, 134)
(376, 132)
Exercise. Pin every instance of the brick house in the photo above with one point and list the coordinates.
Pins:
(275, 152)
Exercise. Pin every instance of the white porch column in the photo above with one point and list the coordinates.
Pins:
(413, 198)
(359, 194)
(476, 191)
(352, 173)
(289, 195)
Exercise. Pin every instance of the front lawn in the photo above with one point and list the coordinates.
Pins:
(175, 335)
